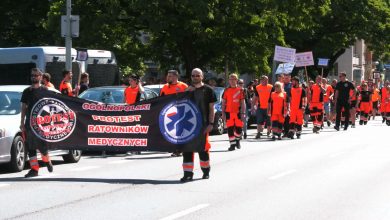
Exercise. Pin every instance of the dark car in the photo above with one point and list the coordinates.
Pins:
(219, 123)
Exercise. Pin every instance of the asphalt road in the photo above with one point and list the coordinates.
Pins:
(331, 175)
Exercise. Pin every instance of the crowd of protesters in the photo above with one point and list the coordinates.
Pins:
(282, 108)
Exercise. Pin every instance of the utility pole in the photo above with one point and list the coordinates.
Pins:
(68, 37)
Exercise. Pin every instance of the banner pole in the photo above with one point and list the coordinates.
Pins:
(79, 79)
(307, 76)
(322, 72)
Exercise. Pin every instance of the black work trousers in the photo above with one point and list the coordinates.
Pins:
(339, 106)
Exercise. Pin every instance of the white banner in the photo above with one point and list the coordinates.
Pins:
(284, 54)
(323, 62)
(304, 59)
(285, 68)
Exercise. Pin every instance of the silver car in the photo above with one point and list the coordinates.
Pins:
(12, 147)
(113, 94)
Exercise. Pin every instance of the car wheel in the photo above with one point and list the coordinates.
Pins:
(18, 155)
(72, 157)
(219, 125)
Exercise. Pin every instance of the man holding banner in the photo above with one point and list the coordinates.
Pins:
(28, 100)
(204, 97)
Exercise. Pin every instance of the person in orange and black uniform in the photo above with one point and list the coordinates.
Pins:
(354, 95)
(204, 98)
(383, 96)
(173, 86)
(327, 100)
(387, 104)
(46, 81)
(65, 86)
(298, 102)
(233, 111)
(262, 93)
(32, 142)
(375, 101)
(277, 110)
(316, 98)
(133, 91)
(132, 95)
(365, 104)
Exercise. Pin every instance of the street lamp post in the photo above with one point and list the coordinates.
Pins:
(68, 37)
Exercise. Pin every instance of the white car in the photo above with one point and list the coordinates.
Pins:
(12, 148)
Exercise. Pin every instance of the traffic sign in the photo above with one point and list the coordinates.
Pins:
(75, 24)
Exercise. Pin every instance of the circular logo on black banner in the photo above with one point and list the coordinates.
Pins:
(52, 120)
(180, 121)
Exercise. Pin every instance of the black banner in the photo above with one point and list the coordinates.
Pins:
(163, 124)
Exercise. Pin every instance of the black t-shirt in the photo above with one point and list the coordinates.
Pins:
(203, 96)
(29, 98)
(83, 87)
(365, 96)
(343, 89)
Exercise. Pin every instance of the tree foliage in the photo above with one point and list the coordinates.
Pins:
(216, 34)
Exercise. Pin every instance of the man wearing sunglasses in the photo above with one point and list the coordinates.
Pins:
(343, 99)
(33, 143)
(204, 98)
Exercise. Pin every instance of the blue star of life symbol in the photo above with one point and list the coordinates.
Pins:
(180, 121)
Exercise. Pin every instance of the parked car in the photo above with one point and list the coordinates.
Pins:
(13, 150)
(113, 94)
(219, 123)
(157, 87)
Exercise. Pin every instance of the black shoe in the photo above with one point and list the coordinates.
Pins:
(298, 136)
(273, 137)
(337, 128)
(176, 154)
(361, 122)
(31, 173)
(258, 135)
(279, 137)
(328, 122)
(232, 147)
(245, 135)
(49, 166)
(305, 125)
(206, 176)
(365, 122)
(345, 128)
(187, 176)
(268, 133)
(238, 145)
(383, 120)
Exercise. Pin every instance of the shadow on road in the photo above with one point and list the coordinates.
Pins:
(94, 180)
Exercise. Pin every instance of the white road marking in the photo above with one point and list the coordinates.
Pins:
(336, 154)
(185, 212)
(85, 168)
(4, 185)
(120, 161)
(283, 174)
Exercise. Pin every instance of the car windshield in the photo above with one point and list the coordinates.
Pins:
(112, 96)
(9, 103)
